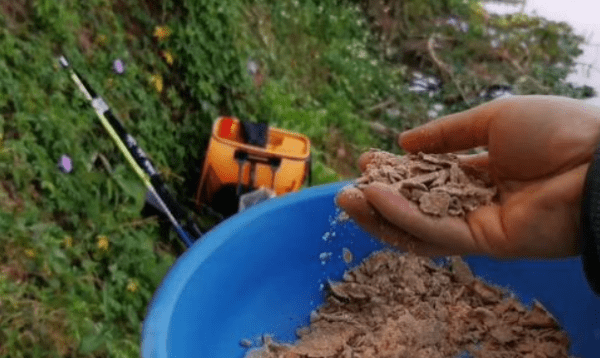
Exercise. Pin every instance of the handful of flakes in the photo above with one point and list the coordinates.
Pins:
(438, 183)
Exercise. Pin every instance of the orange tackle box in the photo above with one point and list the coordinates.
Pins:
(244, 156)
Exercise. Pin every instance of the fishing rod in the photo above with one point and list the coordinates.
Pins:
(159, 195)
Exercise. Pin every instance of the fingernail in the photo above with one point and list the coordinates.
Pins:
(349, 193)
(405, 136)
(405, 133)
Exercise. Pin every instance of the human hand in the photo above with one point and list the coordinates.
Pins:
(539, 150)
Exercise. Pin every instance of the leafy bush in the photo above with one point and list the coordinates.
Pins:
(88, 297)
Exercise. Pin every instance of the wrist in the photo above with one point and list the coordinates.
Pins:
(590, 223)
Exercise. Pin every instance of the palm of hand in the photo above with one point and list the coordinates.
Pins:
(539, 150)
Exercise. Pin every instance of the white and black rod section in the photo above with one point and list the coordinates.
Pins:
(137, 159)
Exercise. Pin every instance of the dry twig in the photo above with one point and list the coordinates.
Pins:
(443, 67)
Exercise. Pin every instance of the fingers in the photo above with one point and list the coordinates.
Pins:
(479, 161)
(450, 232)
(363, 160)
(354, 203)
(459, 131)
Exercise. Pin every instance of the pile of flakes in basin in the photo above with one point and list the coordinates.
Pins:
(396, 305)
(402, 305)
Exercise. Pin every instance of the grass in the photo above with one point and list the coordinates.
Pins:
(78, 264)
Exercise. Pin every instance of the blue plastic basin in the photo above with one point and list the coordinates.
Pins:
(262, 272)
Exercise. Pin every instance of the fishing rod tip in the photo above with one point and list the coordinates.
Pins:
(63, 61)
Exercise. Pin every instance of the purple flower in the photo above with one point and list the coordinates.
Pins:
(65, 164)
(118, 67)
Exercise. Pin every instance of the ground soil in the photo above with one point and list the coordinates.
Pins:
(402, 305)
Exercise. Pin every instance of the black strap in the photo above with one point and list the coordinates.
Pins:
(590, 224)
(255, 133)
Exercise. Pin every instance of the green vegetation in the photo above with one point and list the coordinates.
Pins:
(78, 264)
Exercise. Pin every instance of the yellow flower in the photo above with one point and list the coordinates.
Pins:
(30, 253)
(168, 57)
(68, 241)
(101, 39)
(502, 22)
(478, 10)
(519, 19)
(102, 242)
(162, 32)
(47, 270)
(157, 81)
(132, 286)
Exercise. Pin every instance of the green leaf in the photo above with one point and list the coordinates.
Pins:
(91, 343)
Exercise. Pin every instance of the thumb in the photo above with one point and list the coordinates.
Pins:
(459, 131)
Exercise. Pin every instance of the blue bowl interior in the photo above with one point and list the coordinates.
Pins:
(262, 272)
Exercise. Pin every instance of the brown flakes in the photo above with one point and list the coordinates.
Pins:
(389, 307)
(508, 305)
(503, 335)
(347, 255)
(416, 194)
(457, 176)
(410, 184)
(548, 349)
(470, 204)
(437, 182)
(362, 181)
(245, 343)
(483, 315)
(453, 190)
(455, 207)
(352, 290)
(435, 203)
(482, 195)
(441, 179)
(460, 270)
(485, 292)
(422, 179)
(425, 168)
(538, 317)
(324, 342)
(440, 159)
(387, 173)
